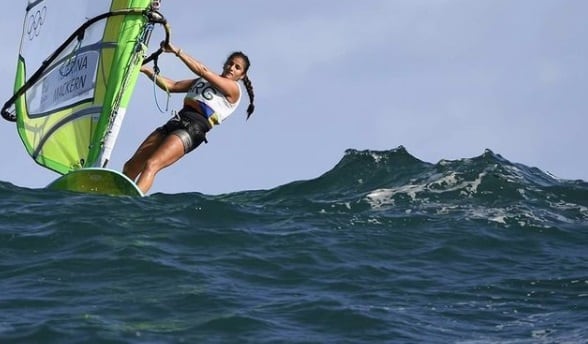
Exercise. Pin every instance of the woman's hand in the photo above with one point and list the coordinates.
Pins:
(169, 48)
(146, 70)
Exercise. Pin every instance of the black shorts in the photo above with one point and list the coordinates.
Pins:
(190, 126)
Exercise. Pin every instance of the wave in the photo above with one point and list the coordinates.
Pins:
(395, 183)
(487, 187)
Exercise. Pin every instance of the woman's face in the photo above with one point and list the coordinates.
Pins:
(234, 68)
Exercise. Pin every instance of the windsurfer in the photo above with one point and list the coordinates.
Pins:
(210, 99)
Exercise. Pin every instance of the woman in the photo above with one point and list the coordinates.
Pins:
(210, 99)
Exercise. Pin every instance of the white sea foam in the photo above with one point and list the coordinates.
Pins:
(437, 184)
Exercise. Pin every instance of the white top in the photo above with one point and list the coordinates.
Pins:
(213, 104)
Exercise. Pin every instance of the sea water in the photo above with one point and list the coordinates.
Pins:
(382, 248)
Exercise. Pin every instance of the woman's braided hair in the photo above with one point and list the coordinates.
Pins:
(246, 80)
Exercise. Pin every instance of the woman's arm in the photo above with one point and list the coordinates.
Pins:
(227, 86)
(168, 84)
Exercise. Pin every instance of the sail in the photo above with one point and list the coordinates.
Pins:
(78, 65)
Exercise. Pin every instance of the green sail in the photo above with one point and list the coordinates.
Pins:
(70, 114)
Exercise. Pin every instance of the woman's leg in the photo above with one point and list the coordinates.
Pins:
(135, 165)
(168, 152)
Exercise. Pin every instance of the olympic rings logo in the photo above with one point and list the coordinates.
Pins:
(35, 23)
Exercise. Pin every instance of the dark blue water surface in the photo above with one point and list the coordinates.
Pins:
(381, 248)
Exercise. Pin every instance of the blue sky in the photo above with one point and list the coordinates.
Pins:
(444, 78)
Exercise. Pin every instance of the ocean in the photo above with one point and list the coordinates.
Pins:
(382, 248)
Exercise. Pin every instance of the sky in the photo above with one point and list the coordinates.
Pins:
(446, 79)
